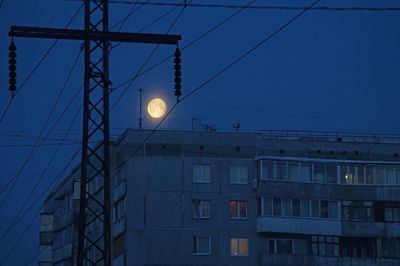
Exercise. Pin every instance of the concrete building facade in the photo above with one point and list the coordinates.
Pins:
(220, 198)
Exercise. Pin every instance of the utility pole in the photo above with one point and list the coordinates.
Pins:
(140, 108)
(95, 206)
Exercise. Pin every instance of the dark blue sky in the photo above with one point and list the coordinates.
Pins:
(328, 71)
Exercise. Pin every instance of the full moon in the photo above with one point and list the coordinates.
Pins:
(156, 108)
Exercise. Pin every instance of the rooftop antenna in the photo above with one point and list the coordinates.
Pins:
(140, 108)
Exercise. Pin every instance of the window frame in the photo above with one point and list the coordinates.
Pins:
(197, 252)
(203, 178)
(238, 217)
(201, 205)
(239, 172)
(238, 240)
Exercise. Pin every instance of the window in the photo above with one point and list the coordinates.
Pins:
(280, 246)
(358, 211)
(201, 173)
(201, 245)
(267, 170)
(352, 174)
(305, 172)
(238, 209)
(391, 176)
(331, 174)
(324, 209)
(319, 173)
(281, 171)
(293, 171)
(287, 207)
(201, 209)
(325, 246)
(239, 246)
(315, 208)
(369, 175)
(390, 248)
(305, 208)
(238, 174)
(267, 206)
(392, 214)
(277, 210)
(380, 175)
(333, 209)
(296, 207)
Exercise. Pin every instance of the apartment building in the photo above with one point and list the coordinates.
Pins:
(232, 198)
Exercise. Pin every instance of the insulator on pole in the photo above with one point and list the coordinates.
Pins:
(12, 68)
(178, 73)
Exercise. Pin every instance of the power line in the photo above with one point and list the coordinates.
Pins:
(262, 7)
(52, 185)
(195, 40)
(147, 59)
(132, 11)
(38, 64)
(33, 150)
(17, 217)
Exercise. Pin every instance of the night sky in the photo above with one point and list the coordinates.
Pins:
(336, 71)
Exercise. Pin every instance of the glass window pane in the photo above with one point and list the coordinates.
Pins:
(369, 177)
(396, 215)
(243, 246)
(305, 208)
(333, 210)
(360, 178)
(322, 249)
(271, 246)
(324, 209)
(390, 176)
(267, 170)
(244, 173)
(331, 174)
(293, 171)
(388, 214)
(267, 204)
(196, 208)
(305, 172)
(284, 246)
(380, 175)
(277, 206)
(296, 207)
(287, 207)
(347, 174)
(315, 208)
(243, 209)
(319, 173)
(314, 249)
(234, 247)
(281, 173)
(233, 209)
(204, 245)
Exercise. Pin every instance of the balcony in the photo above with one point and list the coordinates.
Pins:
(298, 225)
(278, 260)
(370, 229)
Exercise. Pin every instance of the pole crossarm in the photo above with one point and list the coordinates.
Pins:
(68, 34)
